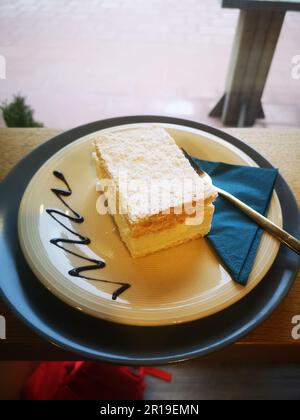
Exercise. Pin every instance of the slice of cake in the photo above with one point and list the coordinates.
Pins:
(155, 196)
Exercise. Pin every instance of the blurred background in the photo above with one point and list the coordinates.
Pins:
(78, 61)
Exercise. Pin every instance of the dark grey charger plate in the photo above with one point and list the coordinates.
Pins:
(97, 339)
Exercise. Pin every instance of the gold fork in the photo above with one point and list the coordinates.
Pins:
(266, 224)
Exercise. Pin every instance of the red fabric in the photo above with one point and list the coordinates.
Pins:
(158, 373)
(88, 381)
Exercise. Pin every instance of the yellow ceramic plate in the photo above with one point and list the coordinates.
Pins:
(172, 286)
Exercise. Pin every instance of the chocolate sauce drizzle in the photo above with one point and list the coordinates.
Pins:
(82, 240)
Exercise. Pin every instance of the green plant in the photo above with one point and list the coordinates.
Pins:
(18, 114)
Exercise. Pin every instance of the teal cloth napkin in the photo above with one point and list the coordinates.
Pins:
(234, 236)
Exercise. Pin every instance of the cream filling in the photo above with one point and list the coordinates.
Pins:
(157, 241)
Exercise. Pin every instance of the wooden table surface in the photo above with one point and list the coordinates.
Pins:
(272, 341)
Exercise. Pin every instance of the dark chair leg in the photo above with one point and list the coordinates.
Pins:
(254, 46)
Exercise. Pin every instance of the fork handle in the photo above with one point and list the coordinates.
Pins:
(280, 234)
